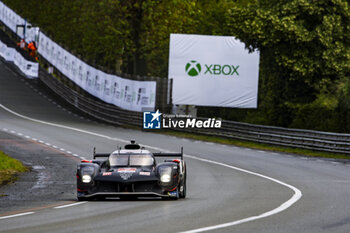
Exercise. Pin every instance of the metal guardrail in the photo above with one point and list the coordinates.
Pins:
(98, 109)
(307, 139)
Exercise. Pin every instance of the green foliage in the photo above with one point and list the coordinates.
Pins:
(9, 167)
(131, 36)
(8, 163)
(160, 18)
(304, 47)
(305, 58)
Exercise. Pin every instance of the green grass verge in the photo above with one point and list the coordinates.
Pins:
(9, 168)
(253, 145)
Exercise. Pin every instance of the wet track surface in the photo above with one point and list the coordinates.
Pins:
(217, 194)
(45, 184)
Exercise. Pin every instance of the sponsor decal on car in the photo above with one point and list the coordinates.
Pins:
(145, 173)
(126, 170)
(107, 173)
(126, 173)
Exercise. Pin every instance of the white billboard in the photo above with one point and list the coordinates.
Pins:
(213, 71)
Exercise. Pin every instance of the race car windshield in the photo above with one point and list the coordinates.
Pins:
(131, 160)
(141, 160)
(119, 160)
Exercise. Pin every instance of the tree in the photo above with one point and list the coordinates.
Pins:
(304, 47)
(305, 53)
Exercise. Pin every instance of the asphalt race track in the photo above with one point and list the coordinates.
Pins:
(230, 189)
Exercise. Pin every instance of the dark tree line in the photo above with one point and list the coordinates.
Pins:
(303, 44)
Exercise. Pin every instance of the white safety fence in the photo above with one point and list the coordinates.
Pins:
(127, 94)
(6, 52)
(29, 68)
(13, 20)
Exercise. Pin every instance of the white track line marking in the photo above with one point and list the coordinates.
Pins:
(69, 205)
(16, 215)
(46, 143)
(61, 126)
(296, 196)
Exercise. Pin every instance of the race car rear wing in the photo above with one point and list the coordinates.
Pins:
(100, 155)
(160, 154)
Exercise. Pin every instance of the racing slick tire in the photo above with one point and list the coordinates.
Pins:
(182, 188)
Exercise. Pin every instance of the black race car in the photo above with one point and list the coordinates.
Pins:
(132, 172)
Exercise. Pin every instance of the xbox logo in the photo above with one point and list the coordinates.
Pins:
(193, 68)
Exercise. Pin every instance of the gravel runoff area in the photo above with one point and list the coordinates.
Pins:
(51, 178)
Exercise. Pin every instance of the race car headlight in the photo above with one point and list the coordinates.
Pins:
(86, 178)
(165, 178)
